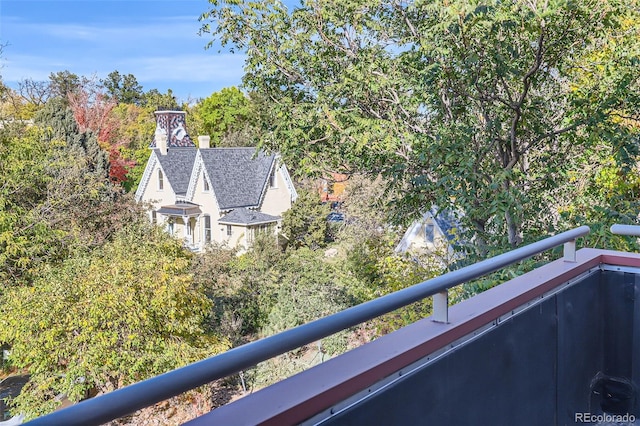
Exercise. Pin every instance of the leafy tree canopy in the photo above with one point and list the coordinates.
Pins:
(26, 239)
(123, 88)
(156, 101)
(305, 223)
(63, 83)
(222, 113)
(104, 319)
(56, 196)
(478, 106)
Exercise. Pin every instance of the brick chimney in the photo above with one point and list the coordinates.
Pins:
(175, 128)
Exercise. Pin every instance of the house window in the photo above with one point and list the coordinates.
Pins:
(170, 226)
(205, 182)
(272, 178)
(429, 232)
(229, 230)
(154, 217)
(188, 225)
(160, 180)
(207, 229)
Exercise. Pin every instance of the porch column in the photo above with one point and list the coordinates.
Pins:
(187, 230)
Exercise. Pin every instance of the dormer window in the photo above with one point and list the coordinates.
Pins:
(160, 180)
(205, 182)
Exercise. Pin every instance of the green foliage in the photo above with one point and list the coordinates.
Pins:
(104, 319)
(610, 196)
(58, 117)
(306, 288)
(214, 271)
(374, 262)
(155, 100)
(471, 288)
(305, 224)
(123, 88)
(55, 197)
(62, 83)
(221, 114)
(239, 286)
(27, 239)
(472, 106)
(132, 135)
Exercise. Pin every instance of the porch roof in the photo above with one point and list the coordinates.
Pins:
(244, 216)
(180, 209)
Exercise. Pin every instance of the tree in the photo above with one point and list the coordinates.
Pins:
(63, 83)
(91, 108)
(221, 113)
(55, 196)
(106, 318)
(305, 223)
(363, 205)
(123, 88)
(306, 288)
(14, 108)
(481, 107)
(160, 101)
(27, 240)
(62, 121)
(34, 92)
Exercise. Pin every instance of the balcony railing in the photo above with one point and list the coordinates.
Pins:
(139, 395)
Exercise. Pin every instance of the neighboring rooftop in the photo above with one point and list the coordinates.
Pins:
(243, 216)
(238, 175)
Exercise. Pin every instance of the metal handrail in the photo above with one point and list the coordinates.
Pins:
(631, 230)
(142, 394)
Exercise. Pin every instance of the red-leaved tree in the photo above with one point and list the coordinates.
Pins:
(119, 166)
(91, 108)
(92, 111)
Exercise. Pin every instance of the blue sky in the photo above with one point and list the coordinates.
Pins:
(155, 40)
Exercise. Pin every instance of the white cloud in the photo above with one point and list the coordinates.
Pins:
(161, 52)
(193, 68)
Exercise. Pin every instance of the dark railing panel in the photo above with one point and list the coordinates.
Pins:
(535, 368)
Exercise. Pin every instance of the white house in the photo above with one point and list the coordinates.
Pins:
(205, 195)
(434, 234)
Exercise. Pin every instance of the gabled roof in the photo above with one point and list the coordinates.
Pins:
(177, 165)
(238, 175)
(446, 220)
(244, 216)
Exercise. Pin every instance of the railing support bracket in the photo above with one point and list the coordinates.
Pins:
(570, 251)
(441, 307)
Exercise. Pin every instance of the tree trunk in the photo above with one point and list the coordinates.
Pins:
(515, 236)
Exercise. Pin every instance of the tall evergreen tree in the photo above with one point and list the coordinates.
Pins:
(58, 117)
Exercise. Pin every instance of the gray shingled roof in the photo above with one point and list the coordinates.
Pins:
(244, 216)
(177, 165)
(238, 175)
